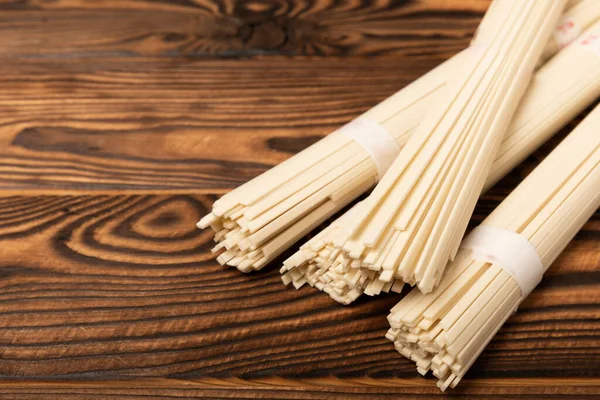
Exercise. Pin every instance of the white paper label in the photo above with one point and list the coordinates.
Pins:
(590, 42)
(566, 32)
(378, 142)
(509, 251)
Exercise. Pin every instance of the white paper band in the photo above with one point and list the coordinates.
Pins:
(378, 142)
(590, 42)
(566, 32)
(508, 250)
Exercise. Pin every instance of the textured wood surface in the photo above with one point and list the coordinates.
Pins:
(302, 389)
(236, 28)
(160, 124)
(120, 123)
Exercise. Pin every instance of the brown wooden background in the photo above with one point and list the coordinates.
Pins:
(122, 120)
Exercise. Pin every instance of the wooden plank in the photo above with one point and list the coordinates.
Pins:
(171, 125)
(281, 388)
(98, 286)
(198, 28)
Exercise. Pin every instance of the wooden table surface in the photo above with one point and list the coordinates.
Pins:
(122, 120)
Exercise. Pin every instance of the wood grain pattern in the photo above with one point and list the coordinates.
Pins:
(303, 389)
(121, 121)
(126, 285)
(228, 28)
(152, 124)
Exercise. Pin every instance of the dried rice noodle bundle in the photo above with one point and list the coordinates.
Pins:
(412, 223)
(257, 221)
(446, 330)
